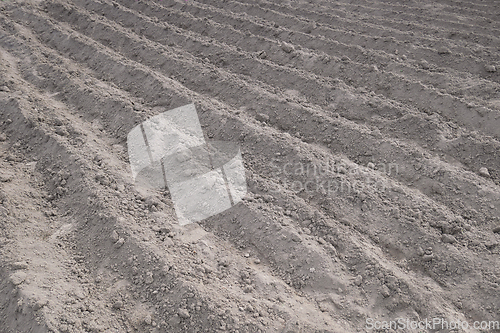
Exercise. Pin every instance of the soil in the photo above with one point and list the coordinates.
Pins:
(370, 135)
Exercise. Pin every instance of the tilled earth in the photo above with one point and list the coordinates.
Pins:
(370, 134)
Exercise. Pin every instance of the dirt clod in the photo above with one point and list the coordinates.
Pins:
(484, 172)
(18, 277)
(183, 313)
(288, 48)
(448, 239)
(490, 68)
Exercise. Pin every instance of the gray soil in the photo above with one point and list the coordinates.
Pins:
(399, 101)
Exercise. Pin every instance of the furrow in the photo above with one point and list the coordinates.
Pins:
(349, 42)
(393, 86)
(461, 147)
(341, 138)
(96, 216)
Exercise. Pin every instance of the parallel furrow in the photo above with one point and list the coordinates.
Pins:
(90, 102)
(395, 116)
(313, 241)
(393, 86)
(479, 12)
(406, 31)
(349, 43)
(480, 25)
(341, 137)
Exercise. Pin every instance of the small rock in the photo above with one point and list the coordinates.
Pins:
(385, 291)
(443, 50)
(262, 117)
(3, 137)
(18, 277)
(428, 257)
(490, 68)
(148, 320)
(248, 289)
(262, 54)
(287, 47)
(496, 230)
(358, 280)
(20, 265)
(168, 242)
(114, 236)
(257, 261)
(424, 64)
(448, 239)
(183, 313)
(118, 305)
(484, 172)
(4, 89)
(371, 165)
(61, 131)
(149, 278)
(119, 243)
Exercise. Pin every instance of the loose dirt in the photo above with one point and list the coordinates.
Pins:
(370, 135)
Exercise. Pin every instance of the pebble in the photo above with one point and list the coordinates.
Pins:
(496, 230)
(287, 47)
(358, 280)
(424, 64)
(443, 50)
(149, 278)
(262, 117)
(484, 172)
(168, 242)
(183, 313)
(61, 131)
(119, 243)
(448, 239)
(4, 88)
(371, 165)
(114, 236)
(257, 261)
(118, 305)
(18, 277)
(428, 257)
(385, 291)
(490, 68)
(20, 265)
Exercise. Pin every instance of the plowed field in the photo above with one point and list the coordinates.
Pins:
(370, 135)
